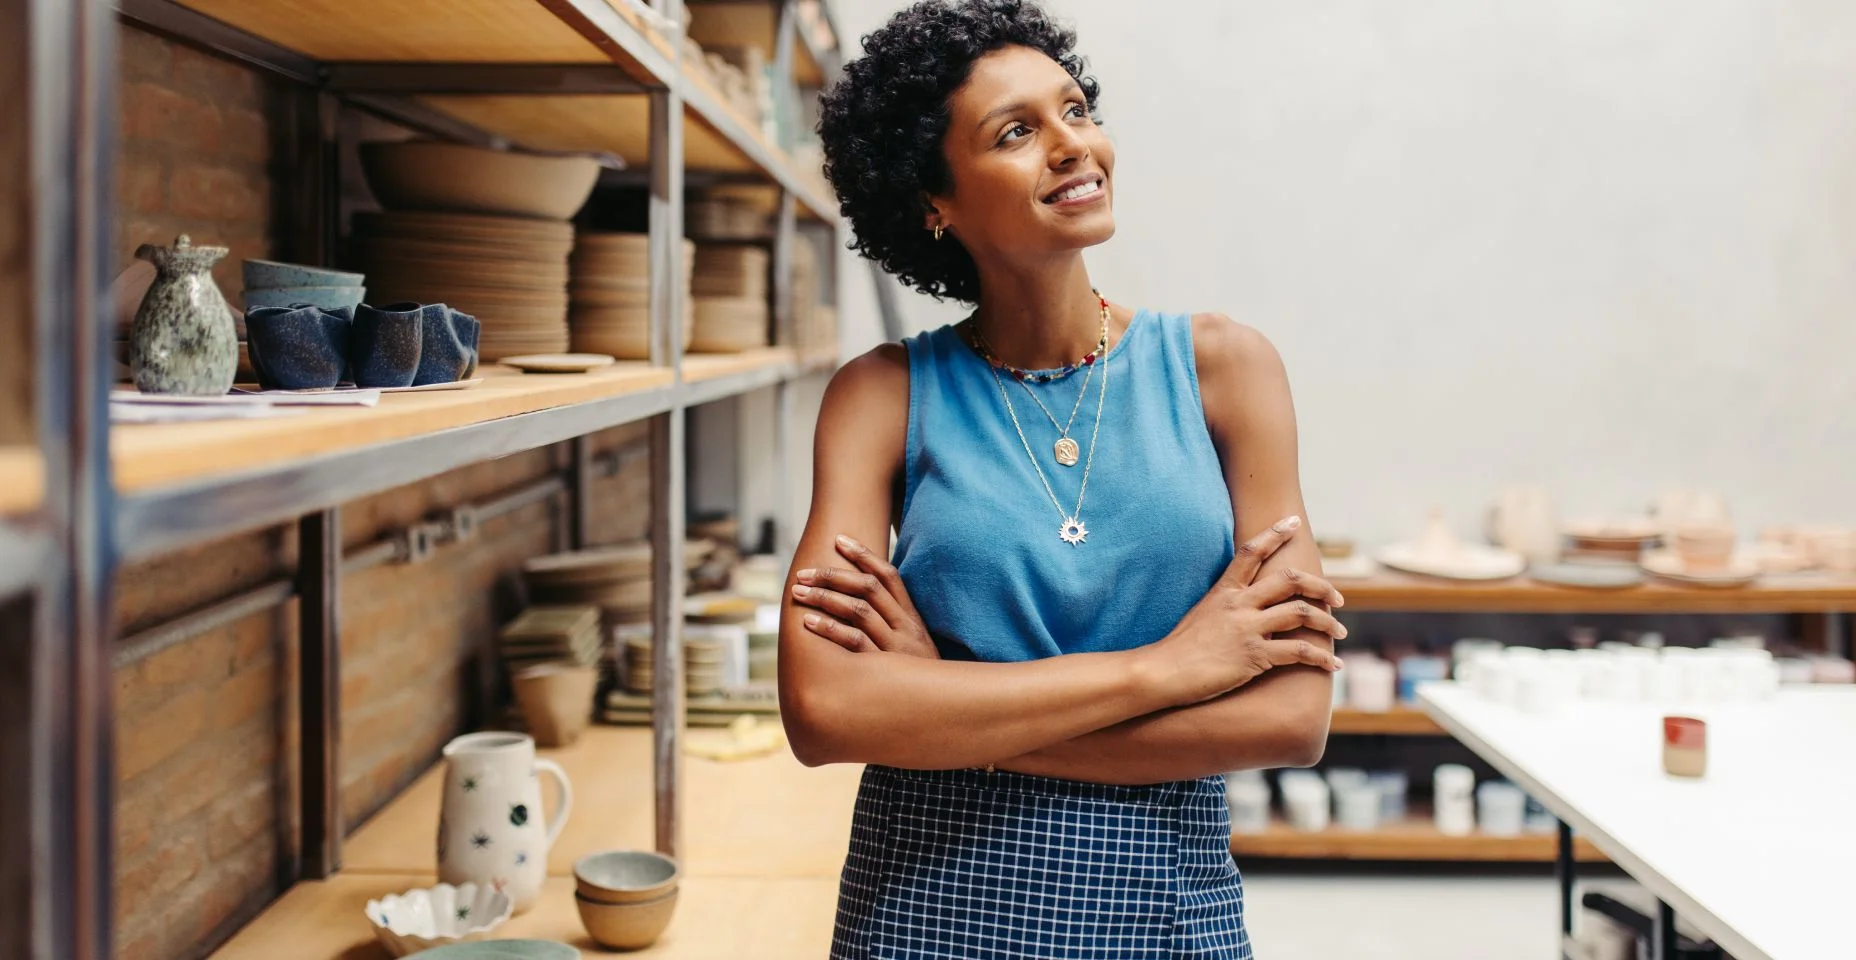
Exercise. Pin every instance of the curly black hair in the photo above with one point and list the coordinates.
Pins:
(882, 124)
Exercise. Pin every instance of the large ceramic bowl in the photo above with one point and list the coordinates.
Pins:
(625, 876)
(328, 298)
(428, 917)
(271, 273)
(452, 177)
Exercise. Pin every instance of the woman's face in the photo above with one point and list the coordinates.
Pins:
(1030, 172)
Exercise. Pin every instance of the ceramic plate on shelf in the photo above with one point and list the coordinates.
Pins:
(1627, 530)
(1464, 562)
(1739, 571)
(431, 387)
(1359, 566)
(557, 362)
(1591, 576)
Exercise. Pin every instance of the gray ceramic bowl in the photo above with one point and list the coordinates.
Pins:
(328, 298)
(625, 876)
(270, 273)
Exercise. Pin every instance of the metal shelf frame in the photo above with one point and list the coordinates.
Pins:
(62, 558)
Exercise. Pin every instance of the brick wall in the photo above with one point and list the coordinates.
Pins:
(206, 729)
(194, 153)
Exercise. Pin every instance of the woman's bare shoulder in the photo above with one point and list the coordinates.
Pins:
(1241, 375)
(867, 402)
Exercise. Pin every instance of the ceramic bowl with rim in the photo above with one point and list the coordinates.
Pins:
(428, 917)
(456, 178)
(504, 950)
(627, 926)
(328, 298)
(271, 273)
(625, 876)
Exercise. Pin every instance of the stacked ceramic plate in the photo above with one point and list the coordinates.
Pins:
(508, 272)
(611, 290)
(617, 580)
(715, 217)
(729, 289)
(1615, 541)
(552, 633)
(702, 666)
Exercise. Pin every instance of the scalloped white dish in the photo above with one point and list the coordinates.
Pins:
(1739, 571)
(428, 917)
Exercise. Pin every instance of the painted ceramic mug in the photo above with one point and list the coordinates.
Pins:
(490, 828)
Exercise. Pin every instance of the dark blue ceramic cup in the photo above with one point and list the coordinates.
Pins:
(386, 346)
(299, 347)
(444, 354)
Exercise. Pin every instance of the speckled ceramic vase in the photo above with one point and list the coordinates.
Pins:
(183, 340)
(490, 828)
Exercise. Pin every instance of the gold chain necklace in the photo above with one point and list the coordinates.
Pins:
(1065, 448)
(1072, 532)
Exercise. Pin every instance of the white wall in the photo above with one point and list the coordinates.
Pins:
(1605, 245)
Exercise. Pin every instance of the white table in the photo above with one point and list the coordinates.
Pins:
(1760, 855)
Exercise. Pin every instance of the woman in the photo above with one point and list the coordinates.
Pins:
(1069, 649)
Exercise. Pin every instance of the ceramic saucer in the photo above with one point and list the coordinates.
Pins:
(1666, 564)
(558, 362)
(1592, 576)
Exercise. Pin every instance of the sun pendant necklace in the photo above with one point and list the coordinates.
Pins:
(1072, 530)
(1065, 450)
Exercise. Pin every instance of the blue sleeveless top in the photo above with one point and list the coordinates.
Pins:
(977, 543)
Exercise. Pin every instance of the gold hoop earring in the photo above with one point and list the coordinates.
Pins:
(937, 232)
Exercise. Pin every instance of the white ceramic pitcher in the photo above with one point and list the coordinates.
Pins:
(490, 829)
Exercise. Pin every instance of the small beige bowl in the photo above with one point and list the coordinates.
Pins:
(626, 926)
(625, 876)
(1705, 548)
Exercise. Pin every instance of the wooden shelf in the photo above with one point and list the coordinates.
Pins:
(1800, 593)
(147, 456)
(753, 23)
(546, 32)
(182, 484)
(767, 818)
(779, 918)
(1416, 838)
(22, 480)
(1400, 720)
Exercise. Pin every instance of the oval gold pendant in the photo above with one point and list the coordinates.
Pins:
(1067, 452)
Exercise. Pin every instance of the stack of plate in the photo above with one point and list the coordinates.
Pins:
(728, 325)
(1615, 541)
(508, 272)
(730, 270)
(549, 633)
(612, 294)
(702, 666)
(724, 218)
(616, 579)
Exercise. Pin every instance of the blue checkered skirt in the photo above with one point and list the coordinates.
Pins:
(968, 865)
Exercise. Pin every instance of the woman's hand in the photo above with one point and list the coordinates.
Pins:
(1226, 640)
(863, 609)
